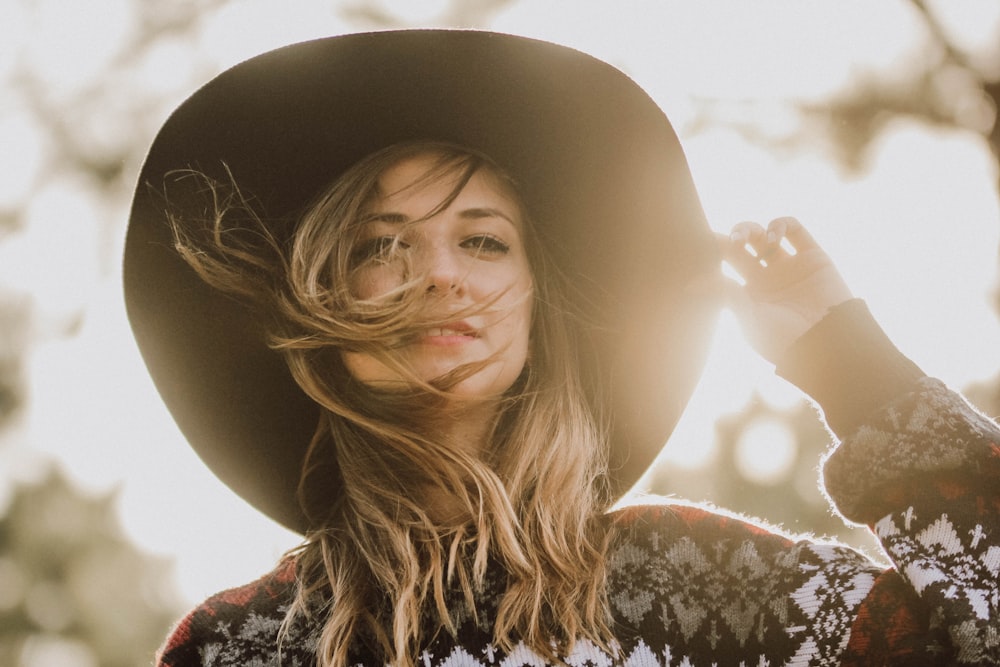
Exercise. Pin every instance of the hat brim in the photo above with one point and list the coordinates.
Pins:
(600, 168)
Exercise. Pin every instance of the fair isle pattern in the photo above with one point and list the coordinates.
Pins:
(248, 640)
(584, 654)
(829, 600)
(703, 588)
(928, 432)
(953, 562)
(690, 588)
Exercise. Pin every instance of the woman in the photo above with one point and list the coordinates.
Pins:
(438, 319)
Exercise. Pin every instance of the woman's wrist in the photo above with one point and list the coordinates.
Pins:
(849, 366)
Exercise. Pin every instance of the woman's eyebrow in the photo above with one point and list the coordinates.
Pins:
(475, 213)
(386, 216)
(485, 212)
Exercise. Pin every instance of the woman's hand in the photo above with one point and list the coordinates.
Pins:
(786, 293)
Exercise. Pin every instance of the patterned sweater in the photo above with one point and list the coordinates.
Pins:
(691, 587)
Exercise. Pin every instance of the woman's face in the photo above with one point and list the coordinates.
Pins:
(471, 260)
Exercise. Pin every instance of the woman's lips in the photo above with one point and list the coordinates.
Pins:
(451, 334)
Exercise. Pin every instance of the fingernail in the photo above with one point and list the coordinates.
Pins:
(737, 237)
(772, 237)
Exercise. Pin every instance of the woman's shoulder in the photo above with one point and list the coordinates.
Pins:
(657, 510)
(683, 518)
(709, 583)
(677, 530)
(222, 629)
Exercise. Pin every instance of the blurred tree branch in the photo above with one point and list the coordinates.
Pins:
(457, 14)
(947, 88)
(950, 90)
(70, 120)
(94, 133)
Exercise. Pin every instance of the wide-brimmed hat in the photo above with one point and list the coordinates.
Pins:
(599, 167)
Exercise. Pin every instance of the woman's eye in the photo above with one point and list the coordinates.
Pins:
(486, 244)
(376, 249)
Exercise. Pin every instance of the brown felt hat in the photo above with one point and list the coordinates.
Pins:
(600, 169)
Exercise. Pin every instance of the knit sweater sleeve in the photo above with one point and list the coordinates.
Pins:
(920, 466)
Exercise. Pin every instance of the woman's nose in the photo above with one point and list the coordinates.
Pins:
(443, 269)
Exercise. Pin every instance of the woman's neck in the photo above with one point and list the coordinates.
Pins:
(468, 428)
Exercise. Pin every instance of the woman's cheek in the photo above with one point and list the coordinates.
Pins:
(370, 283)
(366, 369)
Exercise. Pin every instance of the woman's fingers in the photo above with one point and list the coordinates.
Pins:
(787, 289)
(749, 248)
(734, 253)
(793, 230)
(744, 233)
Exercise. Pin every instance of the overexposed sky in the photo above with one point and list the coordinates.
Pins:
(916, 233)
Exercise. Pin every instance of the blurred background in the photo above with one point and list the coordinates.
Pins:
(874, 123)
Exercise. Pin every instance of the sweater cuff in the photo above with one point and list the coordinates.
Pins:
(930, 436)
(848, 365)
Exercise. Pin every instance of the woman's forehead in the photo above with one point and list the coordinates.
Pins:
(429, 180)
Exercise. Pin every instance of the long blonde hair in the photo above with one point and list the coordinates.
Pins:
(377, 565)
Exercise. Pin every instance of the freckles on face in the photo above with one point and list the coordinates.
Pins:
(470, 263)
